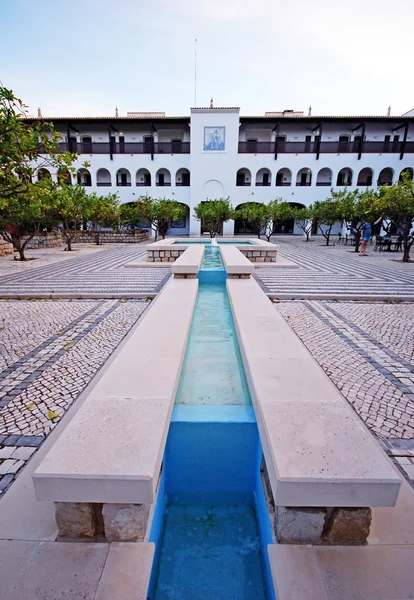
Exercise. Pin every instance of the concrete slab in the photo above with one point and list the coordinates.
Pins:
(317, 451)
(235, 262)
(374, 572)
(295, 573)
(281, 263)
(189, 262)
(50, 571)
(110, 452)
(112, 449)
(394, 525)
(127, 572)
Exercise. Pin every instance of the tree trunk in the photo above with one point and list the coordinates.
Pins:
(406, 245)
(357, 240)
(68, 243)
(98, 238)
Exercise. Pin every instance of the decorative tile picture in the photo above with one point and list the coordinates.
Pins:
(214, 138)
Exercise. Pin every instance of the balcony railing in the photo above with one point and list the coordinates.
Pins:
(182, 184)
(283, 183)
(325, 147)
(163, 183)
(326, 183)
(123, 184)
(123, 148)
(304, 183)
(103, 183)
(263, 183)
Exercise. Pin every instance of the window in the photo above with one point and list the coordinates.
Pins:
(343, 143)
(252, 146)
(387, 140)
(148, 144)
(176, 146)
(308, 141)
(87, 145)
(122, 144)
(73, 144)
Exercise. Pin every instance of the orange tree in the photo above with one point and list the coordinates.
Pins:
(396, 203)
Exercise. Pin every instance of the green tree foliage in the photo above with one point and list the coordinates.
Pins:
(279, 211)
(23, 216)
(396, 203)
(303, 219)
(213, 213)
(254, 215)
(71, 209)
(24, 147)
(103, 211)
(357, 208)
(327, 212)
(157, 212)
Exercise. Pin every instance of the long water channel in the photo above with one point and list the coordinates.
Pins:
(210, 525)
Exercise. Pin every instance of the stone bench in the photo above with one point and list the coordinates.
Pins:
(188, 263)
(317, 451)
(235, 263)
(106, 463)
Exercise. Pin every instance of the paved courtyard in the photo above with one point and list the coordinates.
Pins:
(50, 350)
(367, 350)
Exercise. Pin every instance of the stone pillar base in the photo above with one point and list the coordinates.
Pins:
(83, 521)
(328, 526)
(125, 522)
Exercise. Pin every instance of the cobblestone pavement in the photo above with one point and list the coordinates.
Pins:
(337, 271)
(50, 350)
(367, 350)
(98, 275)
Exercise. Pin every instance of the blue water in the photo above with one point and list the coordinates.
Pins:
(211, 526)
(235, 242)
(212, 371)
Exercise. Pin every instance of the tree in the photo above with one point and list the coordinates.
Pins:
(23, 216)
(24, 148)
(397, 204)
(213, 213)
(255, 215)
(357, 208)
(157, 212)
(303, 219)
(278, 212)
(103, 211)
(72, 208)
(327, 212)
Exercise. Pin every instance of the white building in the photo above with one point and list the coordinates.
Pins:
(215, 153)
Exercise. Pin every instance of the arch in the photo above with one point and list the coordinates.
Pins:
(344, 177)
(181, 227)
(288, 225)
(163, 177)
(264, 177)
(123, 177)
(408, 170)
(241, 226)
(43, 174)
(365, 177)
(304, 177)
(103, 178)
(212, 189)
(83, 177)
(243, 177)
(182, 177)
(324, 177)
(64, 176)
(386, 176)
(143, 177)
(284, 177)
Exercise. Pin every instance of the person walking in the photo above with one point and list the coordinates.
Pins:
(366, 236)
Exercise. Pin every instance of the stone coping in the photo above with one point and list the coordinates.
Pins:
(111, 451)
(189, 262)
(317, 451)
(168, 242)
(235, 262)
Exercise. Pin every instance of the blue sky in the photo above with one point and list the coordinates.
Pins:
(84, 57)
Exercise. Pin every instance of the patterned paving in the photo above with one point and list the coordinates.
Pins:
(50, 352)
(98, 275)
(337, 272)
(367, 349)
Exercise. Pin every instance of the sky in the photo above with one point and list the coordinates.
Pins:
(85, 57)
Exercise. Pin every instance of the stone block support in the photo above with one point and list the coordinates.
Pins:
(299, 525)
(125, 522)
(78, 520)
(348, 526)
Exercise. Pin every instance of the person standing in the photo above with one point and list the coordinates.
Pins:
(366, 236)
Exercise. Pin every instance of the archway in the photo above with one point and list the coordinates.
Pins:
(181, 227)
(84, 177)
(243, 177)
(365, 177)
(386, 176)
(288, 225)
(304, 177)
(324, 177)
(242, 226)
(182, 177)
(143, 178)
(43, 174)
(103, 178)
(284, 177)
(409, 171)
(64, 176)
(123, 178)
(263, 177)
(344, 177)
(163, 178)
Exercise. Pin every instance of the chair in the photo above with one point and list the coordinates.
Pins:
(379, 243)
